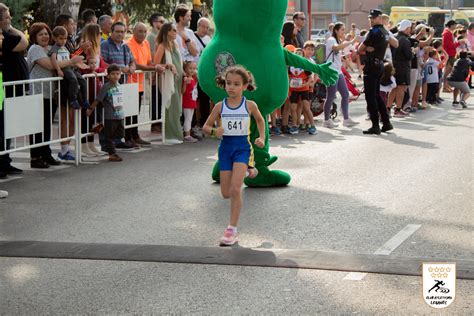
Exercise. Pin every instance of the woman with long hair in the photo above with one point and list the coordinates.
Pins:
(167, 53)
(334, 47)
(91, 33)
(289, 34)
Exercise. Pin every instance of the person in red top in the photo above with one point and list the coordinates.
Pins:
(190, 95)
(300, 82)
(450, 45)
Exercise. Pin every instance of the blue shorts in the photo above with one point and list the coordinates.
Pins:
(235, 149)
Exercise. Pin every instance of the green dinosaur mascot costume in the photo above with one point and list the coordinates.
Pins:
(248, 34)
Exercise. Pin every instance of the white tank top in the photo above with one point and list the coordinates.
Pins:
(235, 121)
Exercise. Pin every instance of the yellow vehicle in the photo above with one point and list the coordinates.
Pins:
(464, 16)
(431, 16)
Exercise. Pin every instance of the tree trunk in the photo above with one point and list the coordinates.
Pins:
(53, 8)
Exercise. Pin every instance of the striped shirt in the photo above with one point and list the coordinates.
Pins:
(116, 54)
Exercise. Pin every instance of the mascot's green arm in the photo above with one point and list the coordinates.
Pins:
(328, 75)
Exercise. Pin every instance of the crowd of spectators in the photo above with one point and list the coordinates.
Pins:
(418, 67)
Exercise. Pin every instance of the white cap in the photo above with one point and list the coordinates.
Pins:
(404, 24)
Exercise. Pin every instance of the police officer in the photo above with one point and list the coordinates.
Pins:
(375, 46)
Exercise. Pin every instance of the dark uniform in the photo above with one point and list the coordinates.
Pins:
(373, 70)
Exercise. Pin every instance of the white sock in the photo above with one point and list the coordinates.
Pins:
(64, 149)
(234, 228)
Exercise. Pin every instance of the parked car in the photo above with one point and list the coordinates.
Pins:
(318, 35)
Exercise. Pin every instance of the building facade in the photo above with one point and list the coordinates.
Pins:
(347, 11)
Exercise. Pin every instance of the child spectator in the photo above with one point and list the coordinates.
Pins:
(309, 49)
(90, 123)
(72, 79)
(432, 77)
(387, 84)
(300, 81)
(457, 79)
(112, 100)
(190, 95)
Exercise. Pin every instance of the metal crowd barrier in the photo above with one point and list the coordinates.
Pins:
(24, 111)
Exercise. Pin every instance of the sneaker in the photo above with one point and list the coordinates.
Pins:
(409, 109)
(86, 151)
(302, 127)
(312, 130)
(123, 146)
(372, 131)
(198, 136)
(95, 150)
(173, 141)
(400, 113)
(229, 238)
(66, 157)
(12, 170)
(463, 104)
(440, 99)
(190, 139)
(3, 194)
(132, 144)
(349, 122)
(456, 105)
(276, 130)
(387, 127)
(285, 130)
(39, 163)
(142, 142)
(421, 107)
(115, 158)
(293, 130)
(329, 124)
(51, 161)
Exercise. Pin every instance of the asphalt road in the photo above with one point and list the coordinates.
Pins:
(349, 193)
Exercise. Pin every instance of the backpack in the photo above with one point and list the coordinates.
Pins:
(320, 54)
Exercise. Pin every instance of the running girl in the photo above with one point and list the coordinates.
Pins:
(235, 149)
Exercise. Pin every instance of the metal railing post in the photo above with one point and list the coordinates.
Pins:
(77, 136)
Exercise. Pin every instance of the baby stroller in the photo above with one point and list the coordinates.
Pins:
(318, 99)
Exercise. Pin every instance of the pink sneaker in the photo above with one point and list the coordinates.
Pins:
(229, 238)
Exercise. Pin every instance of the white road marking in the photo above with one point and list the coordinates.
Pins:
(387, 248)
(10, 178)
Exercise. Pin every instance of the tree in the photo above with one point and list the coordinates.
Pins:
(18, 11)
(141, 9)
(99, 7)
